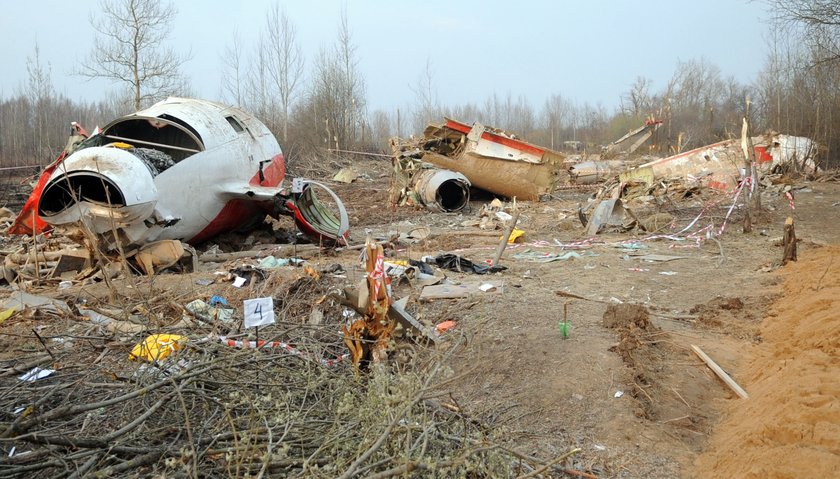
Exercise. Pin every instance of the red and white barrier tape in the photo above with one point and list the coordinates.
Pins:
(585, 243)
(746, 181)
(285, 347)
(789, 196)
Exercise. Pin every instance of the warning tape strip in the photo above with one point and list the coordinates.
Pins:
(285, 347)
(746, 181)
(790, 200)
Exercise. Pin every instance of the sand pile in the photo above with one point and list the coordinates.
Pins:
(790, 425)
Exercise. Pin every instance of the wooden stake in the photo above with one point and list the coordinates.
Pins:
(789, 241)
(720, 373)
(35, 249)
(503, 243)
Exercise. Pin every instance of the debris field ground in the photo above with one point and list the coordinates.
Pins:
(504, 393)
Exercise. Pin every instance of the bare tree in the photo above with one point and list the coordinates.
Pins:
(353, 85)
(381, 130)
(638, 101)
(257, 82)
(233, 72)
(285, 60)
(40, 93)
(130, 48)
(820, 22)
(556, 116)
(337, 95)
(426, 106)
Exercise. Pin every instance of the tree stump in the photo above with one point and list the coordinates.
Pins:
(789, 241)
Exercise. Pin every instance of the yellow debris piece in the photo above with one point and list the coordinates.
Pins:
(516, 236)
(157, 347)
(7, 314)
(398, 262)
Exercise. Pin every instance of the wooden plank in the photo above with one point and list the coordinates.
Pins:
(657, 257)
(454, 291)
(720, 372)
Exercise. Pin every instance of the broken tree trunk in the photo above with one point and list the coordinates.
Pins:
(745, 146)
(752, 202)
(789, 242)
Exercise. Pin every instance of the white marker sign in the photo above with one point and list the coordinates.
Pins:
(259, 312)
(297, 185)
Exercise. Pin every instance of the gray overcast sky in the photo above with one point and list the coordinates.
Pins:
(585, 50)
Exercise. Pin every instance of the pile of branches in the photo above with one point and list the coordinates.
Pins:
(225, 412)
(828, 176)
(214, 410)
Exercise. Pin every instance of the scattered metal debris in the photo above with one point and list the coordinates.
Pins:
(609, 213)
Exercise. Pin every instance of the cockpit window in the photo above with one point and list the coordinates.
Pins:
(237, 127)
(173, 139)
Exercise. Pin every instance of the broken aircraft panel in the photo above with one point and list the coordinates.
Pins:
(720, 163)
(630, 142)
(182, 169)
(491, 159)
(591, 172)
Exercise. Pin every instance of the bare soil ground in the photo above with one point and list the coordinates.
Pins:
(624, 386)
(550, 393)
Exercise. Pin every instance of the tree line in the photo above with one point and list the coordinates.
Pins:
(320, 103)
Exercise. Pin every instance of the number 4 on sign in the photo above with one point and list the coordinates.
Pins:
(259, 312)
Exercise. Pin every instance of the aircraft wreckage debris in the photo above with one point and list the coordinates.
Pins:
(183, 169)
(325, 314)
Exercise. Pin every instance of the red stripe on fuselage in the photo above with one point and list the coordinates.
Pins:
(238, 213)
(502, 140)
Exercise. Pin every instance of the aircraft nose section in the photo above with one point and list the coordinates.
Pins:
(106, 185)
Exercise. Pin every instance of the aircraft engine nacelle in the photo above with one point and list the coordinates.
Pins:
(108, 187)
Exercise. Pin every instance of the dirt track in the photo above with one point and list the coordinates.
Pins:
(550, 393)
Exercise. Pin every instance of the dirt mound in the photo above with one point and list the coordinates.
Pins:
(716, 305)
(790, 426)
(734, 316)
(626, 314)
(632, 322)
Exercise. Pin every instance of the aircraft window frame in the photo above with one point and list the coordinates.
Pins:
(235, 124)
